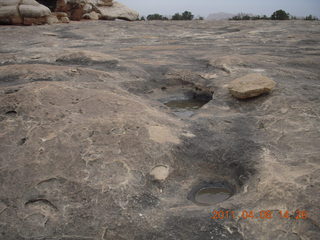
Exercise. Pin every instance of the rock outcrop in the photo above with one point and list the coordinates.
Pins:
(251, 85)
(92, 9)
(118, 11)
(23, 12)
(30, 12)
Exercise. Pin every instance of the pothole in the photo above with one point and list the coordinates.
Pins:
(160, 172)
(11, 113)
(208, 194)
(186, 102)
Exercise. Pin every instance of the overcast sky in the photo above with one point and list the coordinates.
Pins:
(205, 7)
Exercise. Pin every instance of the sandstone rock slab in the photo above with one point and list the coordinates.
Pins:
(251, 85)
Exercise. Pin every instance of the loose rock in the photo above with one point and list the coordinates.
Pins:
(251, 85)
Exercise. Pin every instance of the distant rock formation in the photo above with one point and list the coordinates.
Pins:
(30, 12)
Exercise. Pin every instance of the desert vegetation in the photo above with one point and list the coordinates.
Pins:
(184, 16)
(277, 15)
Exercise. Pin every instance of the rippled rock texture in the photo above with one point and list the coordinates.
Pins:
(89, 150)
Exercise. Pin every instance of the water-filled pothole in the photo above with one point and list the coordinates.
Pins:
(186, 104)
(207, 194)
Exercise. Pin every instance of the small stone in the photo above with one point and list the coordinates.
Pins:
(65, 20)
(60, 14)
(91, 16)
(52, 19)
(251, 85)
(160, 172)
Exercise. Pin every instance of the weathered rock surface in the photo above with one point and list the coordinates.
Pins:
(86, 57)
(251, 85)
(80, 137)
(23, 12)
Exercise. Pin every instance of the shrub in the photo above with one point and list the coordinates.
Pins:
(311, 18)
(176, 16)
(241, 16)
(186, 15)
(156, 16)
(280, 15)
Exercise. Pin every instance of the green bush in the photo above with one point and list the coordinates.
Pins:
(186, 15)
(280, 15)
(244, 16)
(156, 16)
(311, 18)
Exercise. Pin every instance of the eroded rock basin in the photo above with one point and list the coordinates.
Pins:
(186, 103)
(211, 193)
(92, 148)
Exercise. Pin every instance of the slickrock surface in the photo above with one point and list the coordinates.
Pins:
(89, 151)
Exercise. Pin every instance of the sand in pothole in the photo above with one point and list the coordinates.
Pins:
(160, 172)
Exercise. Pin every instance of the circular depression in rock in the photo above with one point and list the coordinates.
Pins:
(210, 193)
(160, 172)
(186, 103)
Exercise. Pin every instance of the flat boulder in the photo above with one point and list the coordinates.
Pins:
(251, 85)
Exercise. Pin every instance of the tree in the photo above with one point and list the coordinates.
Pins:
(280, 15)
(156, 16)
(241, 16)
(186, 15)
(176, 16)
(142, 18)
(311, 18)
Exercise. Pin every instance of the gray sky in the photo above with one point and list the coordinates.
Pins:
(205, 7)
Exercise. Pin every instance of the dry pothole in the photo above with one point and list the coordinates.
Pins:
(211, 193)
(160, 172)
